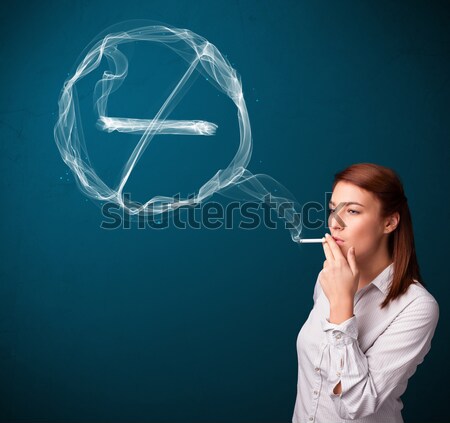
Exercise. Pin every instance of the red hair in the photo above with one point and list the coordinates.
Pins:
(386, 185)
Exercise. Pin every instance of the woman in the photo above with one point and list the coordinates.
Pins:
(372, 321)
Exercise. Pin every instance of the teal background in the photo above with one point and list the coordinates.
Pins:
(201, 325)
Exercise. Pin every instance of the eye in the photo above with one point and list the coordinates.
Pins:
(351, 211)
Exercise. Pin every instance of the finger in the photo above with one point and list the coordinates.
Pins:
(328, 252)
(337, 253)
(351, 258)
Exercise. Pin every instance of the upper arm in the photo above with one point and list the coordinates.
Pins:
(395, 355)
(368, 379)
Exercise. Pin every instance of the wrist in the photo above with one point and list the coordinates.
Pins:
(342, 303)
(341, 311)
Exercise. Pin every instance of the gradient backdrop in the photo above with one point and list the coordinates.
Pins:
(200, 325)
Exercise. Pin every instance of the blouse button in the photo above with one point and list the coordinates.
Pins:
(338, 336)
(315, 392)
(316, 369)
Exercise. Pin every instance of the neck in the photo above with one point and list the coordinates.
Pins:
(370, 268)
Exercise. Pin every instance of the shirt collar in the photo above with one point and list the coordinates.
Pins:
(383, 280)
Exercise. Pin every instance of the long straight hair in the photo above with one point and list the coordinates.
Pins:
(386, 185)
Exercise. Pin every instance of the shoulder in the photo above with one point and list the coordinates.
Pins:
(419, 301)
(417, 292)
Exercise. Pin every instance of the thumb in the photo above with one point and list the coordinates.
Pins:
(352, 260)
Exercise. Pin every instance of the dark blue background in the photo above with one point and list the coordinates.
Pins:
(200, 325)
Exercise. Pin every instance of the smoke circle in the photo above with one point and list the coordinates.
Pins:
(201, 56)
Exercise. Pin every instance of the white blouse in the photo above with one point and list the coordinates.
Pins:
(372, 354)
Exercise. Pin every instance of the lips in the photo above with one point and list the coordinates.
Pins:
(338, 239)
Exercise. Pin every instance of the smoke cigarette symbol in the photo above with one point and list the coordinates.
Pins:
(235, 181)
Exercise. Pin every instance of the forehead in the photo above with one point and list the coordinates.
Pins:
(346, 192)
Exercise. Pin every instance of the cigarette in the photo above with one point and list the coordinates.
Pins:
(311, 240)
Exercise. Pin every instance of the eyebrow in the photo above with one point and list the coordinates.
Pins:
(347, 203)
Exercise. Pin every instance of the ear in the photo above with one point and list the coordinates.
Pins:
(391, 222)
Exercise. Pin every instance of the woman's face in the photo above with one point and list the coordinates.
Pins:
(355, 219)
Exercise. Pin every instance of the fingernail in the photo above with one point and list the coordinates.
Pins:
(327, 235)
(324, 239)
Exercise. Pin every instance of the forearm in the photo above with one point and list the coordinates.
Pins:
(350, 383)
(340, 313)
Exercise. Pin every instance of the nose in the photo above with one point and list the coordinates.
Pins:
(335, 221)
